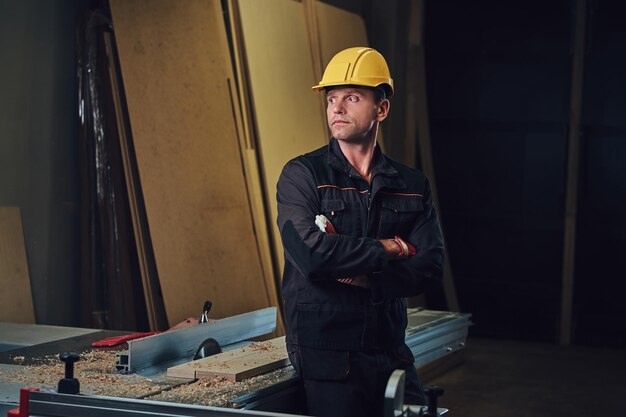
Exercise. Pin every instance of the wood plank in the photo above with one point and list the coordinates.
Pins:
(247, 141)
(289, 120)
(16, 301)
(176, 68)
(573, 160)
(238, 364)
(338, 29)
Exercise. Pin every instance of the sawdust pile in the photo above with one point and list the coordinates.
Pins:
(95, 372)
(267, 345)
(220, 392)
(97, 375)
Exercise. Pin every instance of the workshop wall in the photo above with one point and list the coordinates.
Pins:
(599, 287)
(499, 82)
(38, 152)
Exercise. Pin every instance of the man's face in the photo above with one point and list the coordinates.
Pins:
(353, 113)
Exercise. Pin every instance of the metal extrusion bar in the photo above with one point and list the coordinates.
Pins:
(435, 334)
(51, 404)
(172, 345)
(438, 348)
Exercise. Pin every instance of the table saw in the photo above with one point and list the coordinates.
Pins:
(134, 380)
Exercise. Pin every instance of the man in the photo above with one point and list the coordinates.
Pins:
(360, 234)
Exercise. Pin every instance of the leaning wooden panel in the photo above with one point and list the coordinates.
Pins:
(289, 119)
(247, 140)
(338, 29)
(16, 301)
(175, 66)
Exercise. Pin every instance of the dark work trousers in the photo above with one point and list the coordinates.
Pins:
(346, 384)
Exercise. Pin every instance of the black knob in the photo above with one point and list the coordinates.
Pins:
(69, 358)
(432, 393)
(69, 384)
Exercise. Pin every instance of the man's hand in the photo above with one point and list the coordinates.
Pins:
(397, 248)
(327, 227)
(359, 281)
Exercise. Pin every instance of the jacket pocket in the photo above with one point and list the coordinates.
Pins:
(398, 215)
(329, 326)
(335, 211)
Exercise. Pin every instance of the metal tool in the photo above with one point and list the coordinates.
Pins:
(207, 348)
(426, 335)
(154, 353)
(434, 334)
(204, 317)
(51, 404)
(394, 400)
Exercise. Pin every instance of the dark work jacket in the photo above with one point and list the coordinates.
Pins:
(321, 312)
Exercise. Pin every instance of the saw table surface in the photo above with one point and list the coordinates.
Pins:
(36, 365)
(430, 335)
(16, 335)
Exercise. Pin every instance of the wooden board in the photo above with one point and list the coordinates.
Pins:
(238, 364)
(338, 29)
(243, 112)
(573, 174)
(288, 116)
(176, 68)
(16, 301)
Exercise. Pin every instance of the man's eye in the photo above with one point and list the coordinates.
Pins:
(353, 99)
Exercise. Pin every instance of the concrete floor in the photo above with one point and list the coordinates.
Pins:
(520, 379)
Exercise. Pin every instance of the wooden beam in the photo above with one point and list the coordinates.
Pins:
(573, 159)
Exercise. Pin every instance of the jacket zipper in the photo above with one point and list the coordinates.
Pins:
(368, 205)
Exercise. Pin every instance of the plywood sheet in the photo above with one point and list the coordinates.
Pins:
(238, 364)
(289, 118)
(16, 301)
(175, 67)
(338, 29)
(247, 138)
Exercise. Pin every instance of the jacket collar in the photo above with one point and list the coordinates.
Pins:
(383, 173)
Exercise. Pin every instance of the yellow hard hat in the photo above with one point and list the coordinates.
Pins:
(357, 66)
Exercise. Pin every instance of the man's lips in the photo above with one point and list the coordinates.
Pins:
(339, 122)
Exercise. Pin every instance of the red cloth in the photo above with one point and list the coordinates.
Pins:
(118, 340)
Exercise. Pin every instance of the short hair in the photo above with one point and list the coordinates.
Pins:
(380, 93)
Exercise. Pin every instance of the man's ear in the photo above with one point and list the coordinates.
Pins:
(382, 109)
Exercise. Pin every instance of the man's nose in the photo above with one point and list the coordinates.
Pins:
(337, 107)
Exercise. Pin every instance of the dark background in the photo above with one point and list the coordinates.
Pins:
(498, 83)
